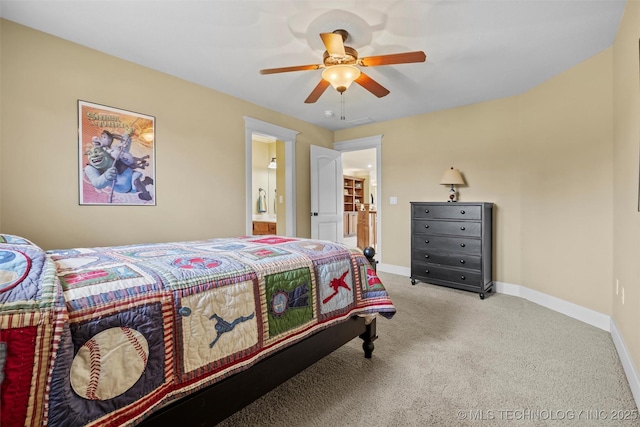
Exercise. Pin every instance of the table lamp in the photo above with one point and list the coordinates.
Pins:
(452, 177)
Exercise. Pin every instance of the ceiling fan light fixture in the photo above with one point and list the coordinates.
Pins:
(341, 76)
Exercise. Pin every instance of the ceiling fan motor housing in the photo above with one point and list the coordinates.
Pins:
(350, 57)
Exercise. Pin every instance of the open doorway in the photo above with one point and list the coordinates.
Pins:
(361, 164)
(359, 188)
(267, 152)
(285, 186)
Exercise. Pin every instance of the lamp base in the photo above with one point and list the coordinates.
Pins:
(453, 195)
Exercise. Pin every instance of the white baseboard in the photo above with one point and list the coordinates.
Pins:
(575, 311)
(627, 363)
(394, 269)
(570, 309)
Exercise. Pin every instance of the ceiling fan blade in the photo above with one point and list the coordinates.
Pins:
(371, 85)
(334, 44)
(287, 69)
(317, 91)
(395, 58)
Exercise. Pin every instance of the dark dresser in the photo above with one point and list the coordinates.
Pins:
(451, 245)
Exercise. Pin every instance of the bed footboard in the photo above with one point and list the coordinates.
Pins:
(213, 404)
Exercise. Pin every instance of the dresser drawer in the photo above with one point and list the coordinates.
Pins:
(463, 245)
(471, 262)
(436, 272)
(449, 211)
(456, 228)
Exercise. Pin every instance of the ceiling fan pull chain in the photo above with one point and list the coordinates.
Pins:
(341, 105)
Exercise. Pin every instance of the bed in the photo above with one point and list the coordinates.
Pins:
(180, 332)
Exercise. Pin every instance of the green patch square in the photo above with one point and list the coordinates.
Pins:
(289, 299)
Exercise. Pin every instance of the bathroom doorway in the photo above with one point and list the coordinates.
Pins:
(284, 192)
(267, 153)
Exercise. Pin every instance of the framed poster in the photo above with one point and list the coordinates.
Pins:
(116, 156)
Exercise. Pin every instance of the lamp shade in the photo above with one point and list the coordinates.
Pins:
(451, 177)
(341, 76)
(272, 164)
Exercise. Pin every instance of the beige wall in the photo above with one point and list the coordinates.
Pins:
(544, 158)
(566, 176)
(626, 228)
(200, 142)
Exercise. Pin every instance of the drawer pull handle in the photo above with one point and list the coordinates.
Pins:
(426, 256)
(426, 241)
(426, 271)
(426, 211)
(461, 261)
(462, 277)
(426, 226)
(462, 245)
(462, 212)
(462, 228)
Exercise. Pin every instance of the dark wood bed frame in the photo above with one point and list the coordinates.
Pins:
(213, 404)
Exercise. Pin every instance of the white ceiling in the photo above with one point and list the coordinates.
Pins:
(476, 50)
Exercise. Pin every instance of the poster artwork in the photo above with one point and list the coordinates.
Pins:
(116, 156)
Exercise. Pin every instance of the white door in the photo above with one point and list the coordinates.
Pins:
(326, 194)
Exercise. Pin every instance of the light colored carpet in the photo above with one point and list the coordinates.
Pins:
(450, 359)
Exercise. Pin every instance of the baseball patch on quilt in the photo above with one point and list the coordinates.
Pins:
(218, 323)
(120, 350)
(116, 361)
(14, 267)
(336, 289)
(289, 298)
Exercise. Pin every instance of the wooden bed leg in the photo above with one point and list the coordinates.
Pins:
(368, 337)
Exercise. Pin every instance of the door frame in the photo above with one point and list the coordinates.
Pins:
(288, 136)
(367, 142)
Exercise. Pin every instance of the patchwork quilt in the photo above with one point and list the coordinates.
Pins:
(105, 336)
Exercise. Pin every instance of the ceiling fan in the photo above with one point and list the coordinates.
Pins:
(339, 64)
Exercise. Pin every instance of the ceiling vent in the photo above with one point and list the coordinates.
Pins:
(362, 121)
